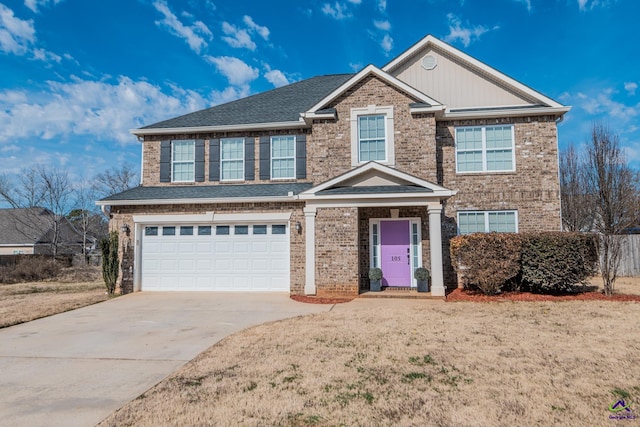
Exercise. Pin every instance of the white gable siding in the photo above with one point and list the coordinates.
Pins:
(453, 84)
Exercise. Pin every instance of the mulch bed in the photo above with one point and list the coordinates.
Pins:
(316, 300)
(463, 295)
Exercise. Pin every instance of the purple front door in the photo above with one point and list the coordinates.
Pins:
(394, 253)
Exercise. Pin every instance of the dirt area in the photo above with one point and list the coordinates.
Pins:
(22, 302)
(399, 362)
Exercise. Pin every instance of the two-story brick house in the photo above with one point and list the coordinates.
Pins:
(304, 188)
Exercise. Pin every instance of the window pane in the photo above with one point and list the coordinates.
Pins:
(282, 168)
(259, 229)
(186, 231)
(278, 229)
(232, 169)
(469, 161)
(241, 229)
(502, 222)
(182, 160)
(204, 230)
(499, 137)
(372, 138)
(222, 230)
(232, 149)
(168, 231)
(471, 222)
(499, 160)
(469, 138)
(151, 231)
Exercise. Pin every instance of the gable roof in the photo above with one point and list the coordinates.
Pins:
(431, 41)
(280, 107)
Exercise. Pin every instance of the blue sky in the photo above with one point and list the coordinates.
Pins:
(76, 75)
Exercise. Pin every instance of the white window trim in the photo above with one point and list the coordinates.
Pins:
(486, 218)
(412, 220)
(387, 111)
(271, 158)
(484, 149)
(222, 179)
(173, 162)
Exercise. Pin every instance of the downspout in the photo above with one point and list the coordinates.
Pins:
(105, 212)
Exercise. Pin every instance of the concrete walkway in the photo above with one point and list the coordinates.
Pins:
(75, 368)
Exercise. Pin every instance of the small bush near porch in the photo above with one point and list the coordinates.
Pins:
(549, 262)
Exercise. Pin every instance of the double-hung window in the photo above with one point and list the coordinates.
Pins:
(183, 155)
(485, 149)
(283, 157)
(372, 135)
(487, 221)
(372, 140)
(231, 159)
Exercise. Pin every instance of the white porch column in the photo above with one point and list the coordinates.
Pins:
(435, 244)
(310, 250)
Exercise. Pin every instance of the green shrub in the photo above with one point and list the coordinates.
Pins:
(554, 262)
(487, 261)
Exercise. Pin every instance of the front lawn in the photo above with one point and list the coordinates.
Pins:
(400, 362)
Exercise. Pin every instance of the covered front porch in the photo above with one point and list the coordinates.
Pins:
(373, 216)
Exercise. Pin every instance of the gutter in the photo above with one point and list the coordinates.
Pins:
(224, 128)
(104, 204)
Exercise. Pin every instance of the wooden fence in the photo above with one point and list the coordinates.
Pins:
(630, 258)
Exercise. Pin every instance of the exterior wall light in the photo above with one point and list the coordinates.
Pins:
(298, 227)
(125, 229)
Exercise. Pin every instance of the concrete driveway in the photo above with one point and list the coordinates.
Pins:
(75, 368)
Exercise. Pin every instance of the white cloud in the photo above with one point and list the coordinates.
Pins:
(355, 66)
(194, 35)
(262, 31)
(526, 3)
(387, 43)
(382, 5)
(276, 78)
(236, 37)
(355, 1)
(101, 109)
(382, 25)
(46, 56)
(34, 5)
(465, 35)
(585, 5)
(16, 35)
(229, 94)
(337, 11)
(631, 87)
(235, 70)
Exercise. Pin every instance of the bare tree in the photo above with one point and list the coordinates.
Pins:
(57, 190)
(86, 217)
(576, 201)
(613, 185)
(26, 192)
(114, 180)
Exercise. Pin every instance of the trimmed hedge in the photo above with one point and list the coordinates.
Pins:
(486, 261)
(549, 262)
(555, 262)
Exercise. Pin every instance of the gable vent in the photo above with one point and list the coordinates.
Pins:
(429, 62)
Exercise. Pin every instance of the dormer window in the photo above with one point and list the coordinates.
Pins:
(372, 135)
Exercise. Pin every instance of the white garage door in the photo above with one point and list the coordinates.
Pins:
(253, 257)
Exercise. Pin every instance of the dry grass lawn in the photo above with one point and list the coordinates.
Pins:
(23, 302)
(405, 363)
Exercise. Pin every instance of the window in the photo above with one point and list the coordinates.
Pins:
(231, 159)
(168, 231)
(186, 230)
(372, 135)
(488, 221)
(151, 231)
(278, 229)
(222, 230)
(283, 157)
(204, 230)
(375, 253)
(241, 229)
(259, 229)
(485, 149)
(371, 138)
(18, 252)
(183, 154)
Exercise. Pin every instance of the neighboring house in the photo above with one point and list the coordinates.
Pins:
(33, 231)
(304, 188)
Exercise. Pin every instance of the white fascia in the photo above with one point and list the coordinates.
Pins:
(435, 109)
(431, 40)
(18, 245)
(308, 117)
(211, 217)
(437, 195)
(195, 201)
(223, 128)
(512, 112)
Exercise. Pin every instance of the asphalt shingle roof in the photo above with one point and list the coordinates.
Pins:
(208, 192)
(278, 105)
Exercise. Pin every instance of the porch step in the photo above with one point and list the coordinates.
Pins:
(395, 293)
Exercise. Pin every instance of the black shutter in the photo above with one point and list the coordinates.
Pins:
(265, 157)
(165, 161)
(301, 156)
(249, 159)
(214, 159)
(199, 175)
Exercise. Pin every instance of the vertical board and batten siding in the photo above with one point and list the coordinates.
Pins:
(249, 159)
(453, 85)
(630, 258)
(301, 156)
(199, 160)
(265, 157)
(165, 161)
(214, 159)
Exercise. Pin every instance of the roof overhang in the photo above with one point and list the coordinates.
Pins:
(478, 113)
(370, 70)
(196, 201)
(298, 124)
